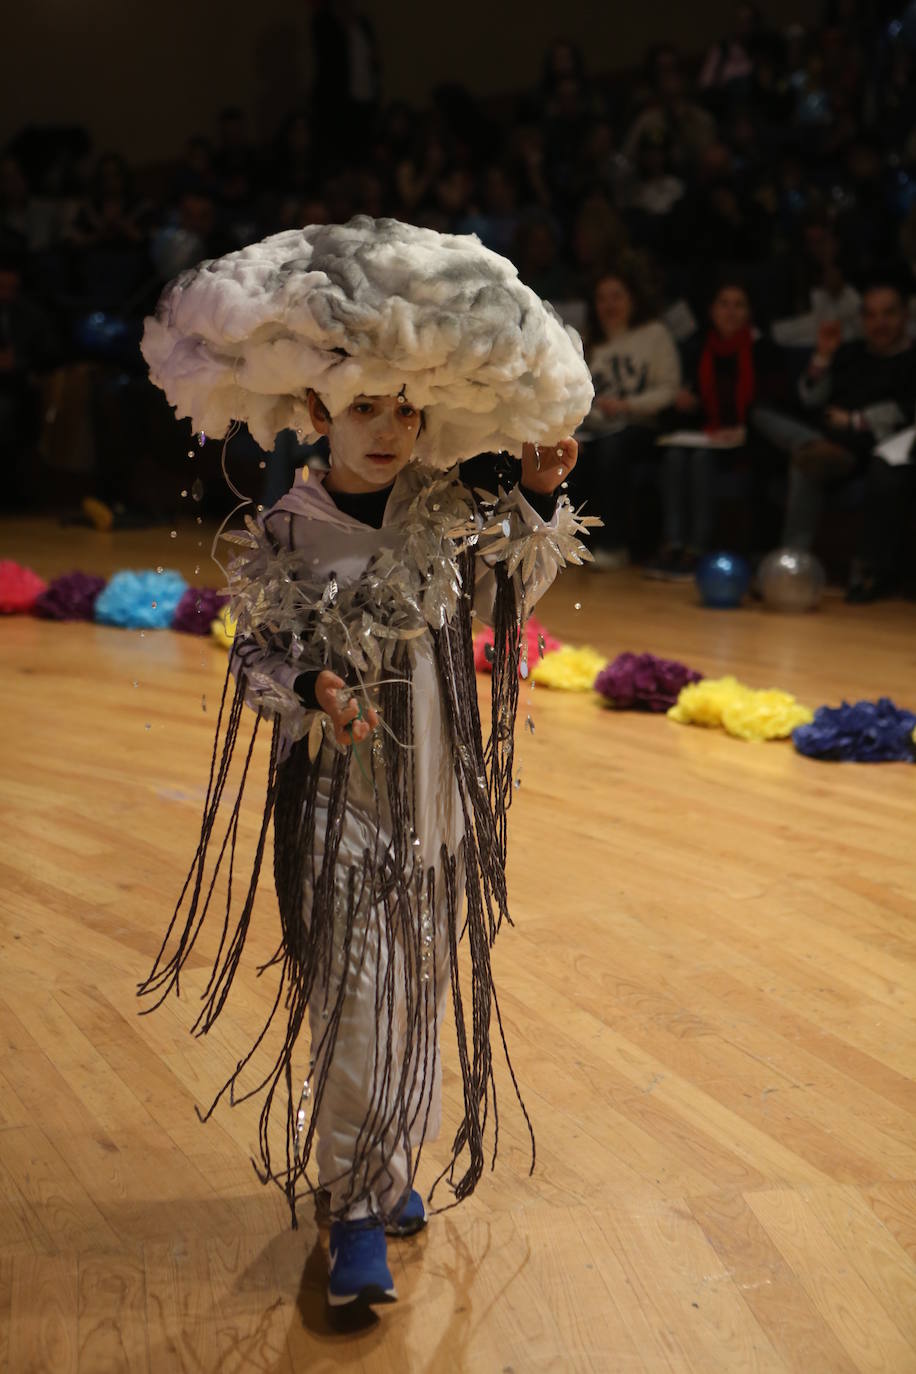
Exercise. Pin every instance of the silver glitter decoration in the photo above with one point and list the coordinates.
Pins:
(401, 594)
(529, 725)
(302, 1117)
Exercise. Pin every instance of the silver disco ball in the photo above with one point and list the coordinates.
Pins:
(791, 580)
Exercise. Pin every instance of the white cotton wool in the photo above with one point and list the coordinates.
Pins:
(367, 308)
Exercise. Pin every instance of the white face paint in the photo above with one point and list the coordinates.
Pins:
(371, 442)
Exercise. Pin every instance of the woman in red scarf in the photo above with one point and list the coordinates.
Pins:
(725, 376)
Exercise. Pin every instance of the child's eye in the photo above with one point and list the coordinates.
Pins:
(362, 407)
(406, 412)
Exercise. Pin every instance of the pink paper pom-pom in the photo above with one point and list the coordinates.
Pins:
(539, 644)
(20, 588)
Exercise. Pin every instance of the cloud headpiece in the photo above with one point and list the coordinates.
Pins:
(370, 307)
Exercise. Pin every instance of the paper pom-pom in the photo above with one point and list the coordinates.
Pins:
(867, 732)
(140, 600)
(69, 597)
(197, 609)
(569, 669)
(539, 644)
(19, 588)
(223, 629)
(643, 682)
(740, 710)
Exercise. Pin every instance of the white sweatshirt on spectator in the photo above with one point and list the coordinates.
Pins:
(641, 367)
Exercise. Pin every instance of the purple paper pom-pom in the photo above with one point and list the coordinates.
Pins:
(867, 732)
(196, 609)
(69, 597)
(643, 682)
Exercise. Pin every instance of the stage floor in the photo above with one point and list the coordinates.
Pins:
(710, 993)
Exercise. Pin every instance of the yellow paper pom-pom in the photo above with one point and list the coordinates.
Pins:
(569, 669)
(765, 715)
(742, 711)
(702, 703)
(223, 629)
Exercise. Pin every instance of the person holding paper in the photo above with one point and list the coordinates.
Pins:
(857, 394)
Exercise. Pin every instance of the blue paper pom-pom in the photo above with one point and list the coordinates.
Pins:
(140, 600)
(866, 732)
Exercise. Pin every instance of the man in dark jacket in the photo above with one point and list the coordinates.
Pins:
(856, 395)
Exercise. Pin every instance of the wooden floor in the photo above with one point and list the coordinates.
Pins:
(710, 992)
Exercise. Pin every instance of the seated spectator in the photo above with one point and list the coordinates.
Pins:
(728, 369)
(888, 509)
(821, 290)
(26, 221)
(527, 163)
(729, 65)
(856, 394)
(600, 166)
(496, 218)
(653, 190)
(111, 216)
(294, 170)
(636, 372)
(192, 236)
(599, 240)
(109, 231)
(417, 172)
(28, 345)
(671, 112)
(195, 170)
(536, 253)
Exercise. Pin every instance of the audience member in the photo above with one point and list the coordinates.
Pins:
(787, 158)
(636, 372)
(728, 369)
(855, 395)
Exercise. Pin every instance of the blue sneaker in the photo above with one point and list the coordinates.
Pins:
(409, 1218)
(358, 1264)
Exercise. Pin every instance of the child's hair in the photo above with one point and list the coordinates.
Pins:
(325, 414)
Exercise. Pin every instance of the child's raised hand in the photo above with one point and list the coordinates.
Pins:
(545, 466)
(337, 701)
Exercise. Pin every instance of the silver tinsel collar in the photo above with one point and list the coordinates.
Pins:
(409, 586)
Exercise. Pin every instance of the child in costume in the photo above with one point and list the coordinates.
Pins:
(355, 598)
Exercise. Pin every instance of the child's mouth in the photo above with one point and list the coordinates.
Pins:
(380, 457)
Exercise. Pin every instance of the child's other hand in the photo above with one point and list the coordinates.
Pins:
(333, 696)
(545, 466)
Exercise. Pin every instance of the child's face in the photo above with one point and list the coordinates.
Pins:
(373, 439)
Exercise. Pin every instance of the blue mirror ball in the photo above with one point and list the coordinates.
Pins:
(723, 580)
